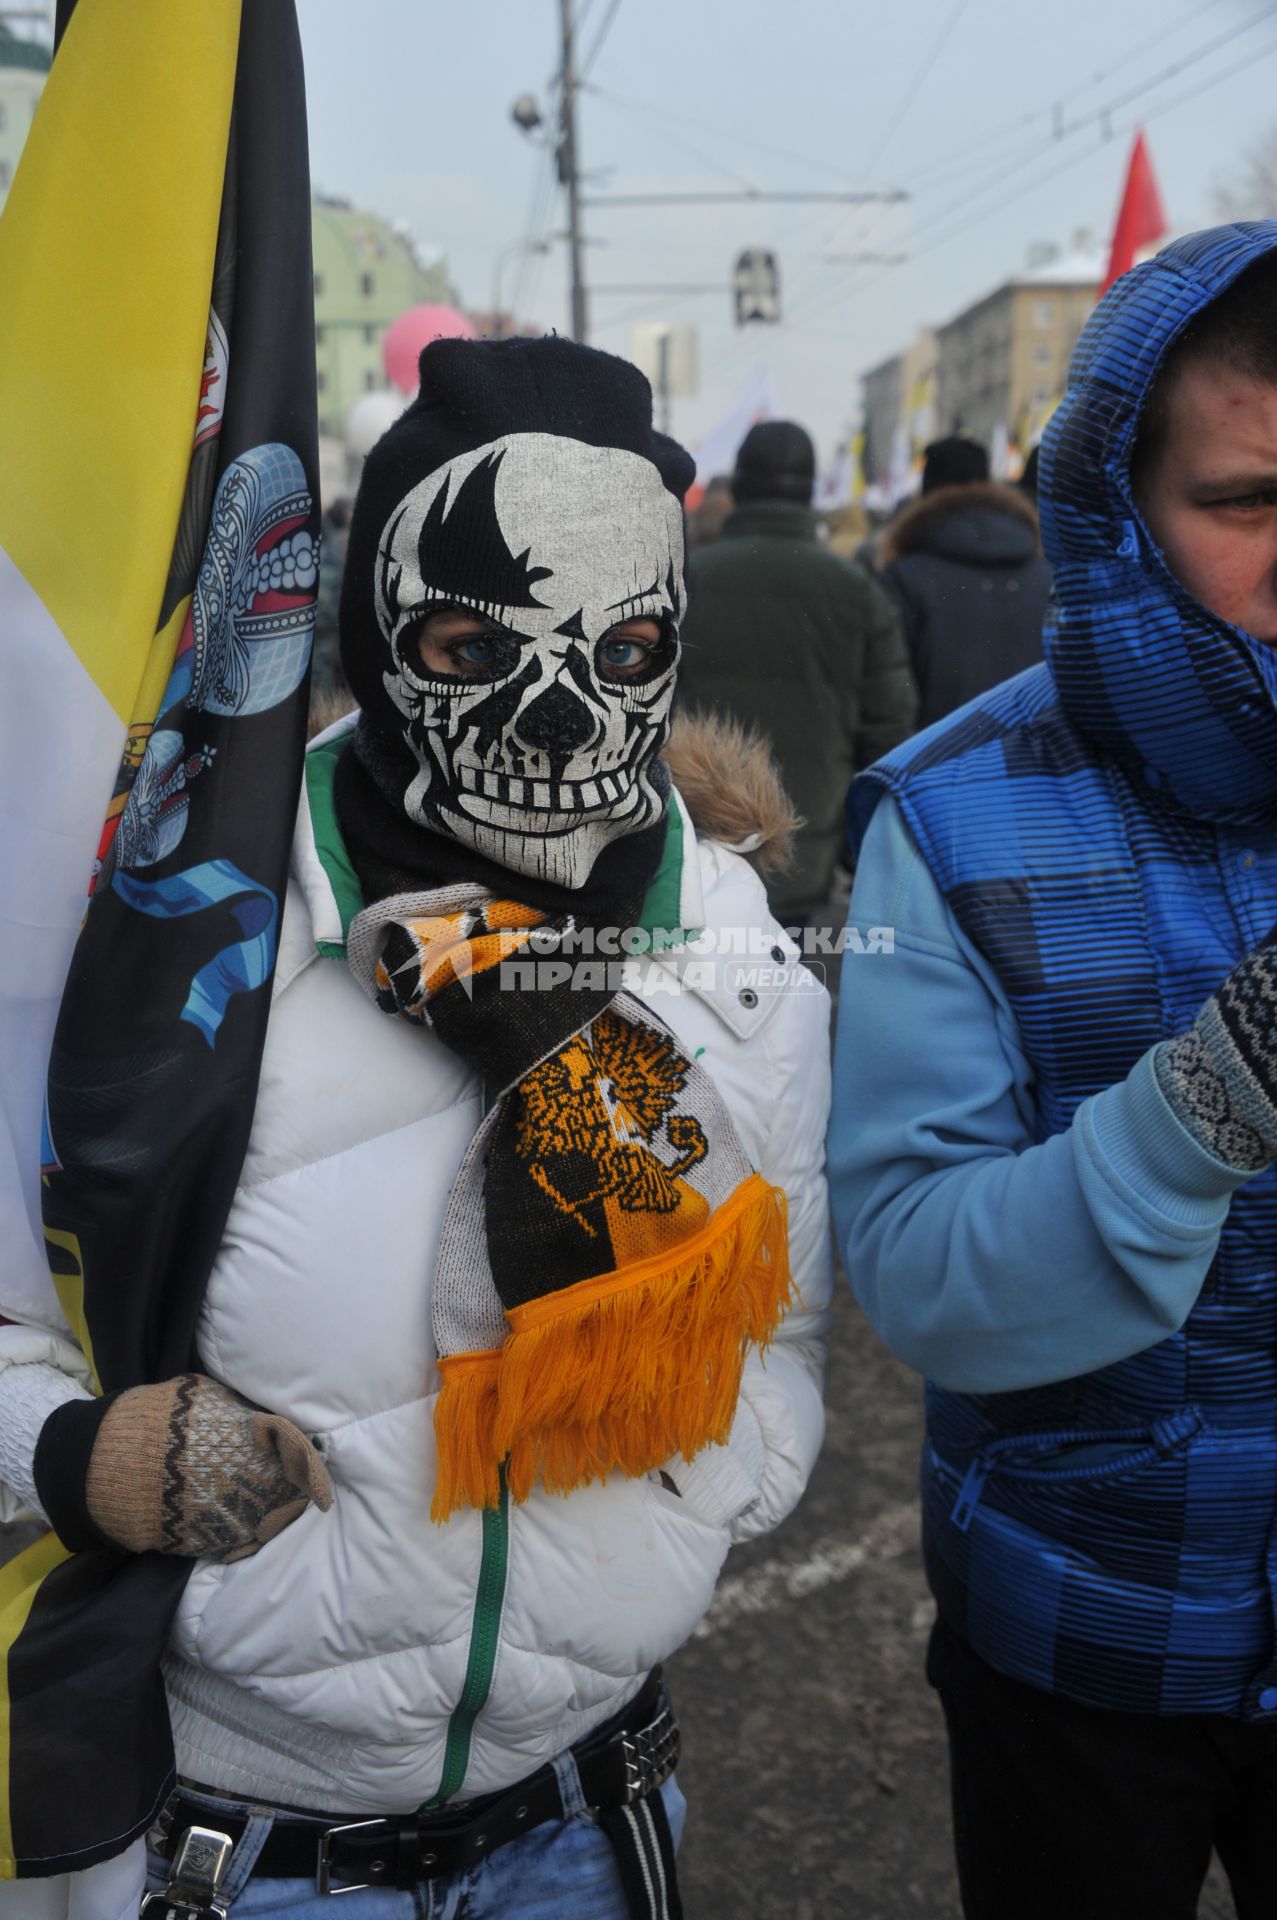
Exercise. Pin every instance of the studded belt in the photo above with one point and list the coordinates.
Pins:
(620, 1764)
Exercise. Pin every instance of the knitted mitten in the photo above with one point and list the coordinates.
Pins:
(189, 1468)
(1220, 1077)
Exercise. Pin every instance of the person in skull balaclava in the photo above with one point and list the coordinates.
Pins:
(510, 620)
(505, 1253)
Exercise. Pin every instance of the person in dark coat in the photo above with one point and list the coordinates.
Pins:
(784, 636)
(964, 565)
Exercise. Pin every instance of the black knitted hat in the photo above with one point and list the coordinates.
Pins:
(776, 461)
(473, 392)
(957, 461)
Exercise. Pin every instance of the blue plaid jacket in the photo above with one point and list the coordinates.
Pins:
(1113, 1537)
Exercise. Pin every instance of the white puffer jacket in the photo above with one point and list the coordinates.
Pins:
(367, 1659)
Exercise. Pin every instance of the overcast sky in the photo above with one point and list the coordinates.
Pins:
(955, 102)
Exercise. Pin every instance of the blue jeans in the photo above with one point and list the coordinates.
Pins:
(562, 1870)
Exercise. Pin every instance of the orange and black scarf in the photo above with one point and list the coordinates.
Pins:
(608, 1253)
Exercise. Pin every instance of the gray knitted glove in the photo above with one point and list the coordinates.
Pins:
(189, 1468)
(1220, 1077)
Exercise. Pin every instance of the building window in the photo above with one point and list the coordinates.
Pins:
(319, 336)
(370, 383)
(1042, 354)
(370, 336)
(4, 173)
(1040, 396)
(4, 116)
(365, 285)
(319, 286)
(1044, 313)
(320, 381)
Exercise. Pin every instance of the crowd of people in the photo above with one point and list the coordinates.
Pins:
(519, 1316)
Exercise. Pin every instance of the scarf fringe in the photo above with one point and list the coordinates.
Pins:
(617, 1375)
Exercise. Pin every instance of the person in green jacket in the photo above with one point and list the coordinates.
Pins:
(784, 636)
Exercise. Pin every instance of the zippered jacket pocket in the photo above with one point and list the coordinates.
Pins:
(1061, 1459)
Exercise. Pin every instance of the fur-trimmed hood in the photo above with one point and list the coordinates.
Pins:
(725, 772)
(732, 787)
(983, 524)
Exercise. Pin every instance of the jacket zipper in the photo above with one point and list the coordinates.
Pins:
(1161, 1438)
(485, 1630)
(495, 1553)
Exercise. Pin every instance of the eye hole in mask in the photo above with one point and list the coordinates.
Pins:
(484, 654)
(628, 660)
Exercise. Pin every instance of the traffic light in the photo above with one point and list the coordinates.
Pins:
(756, 280)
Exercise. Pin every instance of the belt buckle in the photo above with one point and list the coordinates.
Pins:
(194, 1877)
(650, 1755)
(324, 1869)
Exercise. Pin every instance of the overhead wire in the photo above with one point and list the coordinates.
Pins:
(958, 157)
(904, 101)
(537, 216)
(915, 86)
(1154, 112)
(955, 162)
(588, 64)
(652, 110)
(1100, 116)
(537, 251)
(816, 299)
(640, 110)
(831, 297)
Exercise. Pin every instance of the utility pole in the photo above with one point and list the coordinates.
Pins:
(569, 174)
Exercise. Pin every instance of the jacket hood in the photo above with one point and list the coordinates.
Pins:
(979, 525)
(1185, 701)
(732, 788)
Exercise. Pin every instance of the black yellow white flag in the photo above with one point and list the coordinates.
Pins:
(158, 557)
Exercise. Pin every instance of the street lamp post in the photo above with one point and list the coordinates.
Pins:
(527, 117)
(569, 172)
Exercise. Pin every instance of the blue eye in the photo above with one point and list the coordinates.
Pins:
(485, 656)
(621, 656)
(480, 650)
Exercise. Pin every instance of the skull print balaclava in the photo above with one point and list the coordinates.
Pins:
(525, 485)
(608, 1253)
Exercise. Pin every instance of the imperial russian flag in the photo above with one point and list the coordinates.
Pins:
(158, 560)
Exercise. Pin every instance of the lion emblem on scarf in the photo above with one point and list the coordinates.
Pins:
(604, 1102)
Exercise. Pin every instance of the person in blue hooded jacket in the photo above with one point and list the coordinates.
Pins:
(1055, 1129)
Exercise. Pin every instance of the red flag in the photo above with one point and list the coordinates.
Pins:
(1141, 218)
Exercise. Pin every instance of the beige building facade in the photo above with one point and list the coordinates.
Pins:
(898, 399)
(882, 410)
(1002, 363)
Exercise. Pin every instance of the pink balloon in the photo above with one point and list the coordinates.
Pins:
(406, 336)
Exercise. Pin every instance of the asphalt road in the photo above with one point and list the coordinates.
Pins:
(814, 1755)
